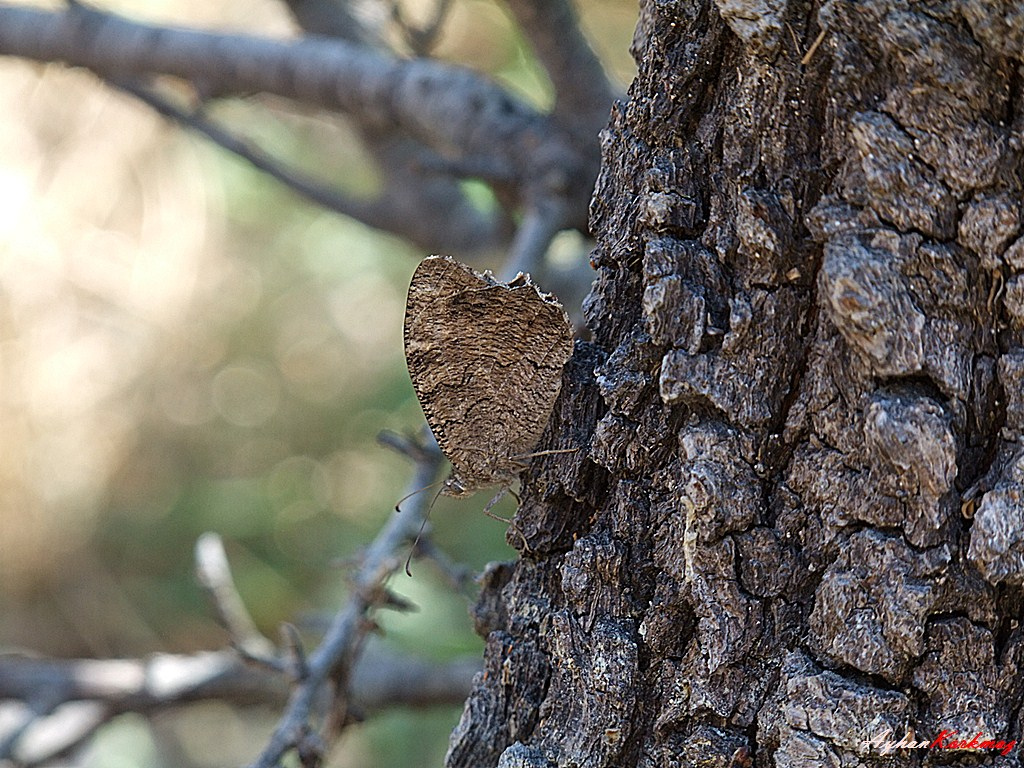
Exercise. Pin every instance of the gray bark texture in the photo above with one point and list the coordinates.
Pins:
(795, 521)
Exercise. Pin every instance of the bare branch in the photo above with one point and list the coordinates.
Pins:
(333, 658)
(450, 224)
(407, 445)
(540, 224)
(294, 652)
(415, 115)
(339, 19)
(421, 39)
(80, 695)
(582, 91)
(422, 199)
(458, 575)
(451, 109)
(214, 575)
(381, 680)
(320, 194)
(327, 680)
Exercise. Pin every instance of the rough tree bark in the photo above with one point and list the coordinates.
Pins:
(797, 521)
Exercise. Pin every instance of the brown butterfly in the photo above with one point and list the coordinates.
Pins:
(486, 360)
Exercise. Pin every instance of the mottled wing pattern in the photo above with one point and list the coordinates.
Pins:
(486, 362)
(434, 283)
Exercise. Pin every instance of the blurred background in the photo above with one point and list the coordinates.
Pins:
(186, 346)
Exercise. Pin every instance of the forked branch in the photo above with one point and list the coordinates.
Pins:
(328, 667)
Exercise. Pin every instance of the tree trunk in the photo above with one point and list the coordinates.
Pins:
(795, 522)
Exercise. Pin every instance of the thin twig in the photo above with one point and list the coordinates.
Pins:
(335, 653)
(294, 651)
(406, 445)
(17, 726)
(339, 19)
(395, 209)
(458, 575)
(421, 192)
(214, 575)
(814, 47)
(321, 194)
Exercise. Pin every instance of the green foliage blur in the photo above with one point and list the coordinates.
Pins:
(186, 346)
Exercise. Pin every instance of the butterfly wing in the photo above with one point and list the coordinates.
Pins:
(435, 282)
(486, 362)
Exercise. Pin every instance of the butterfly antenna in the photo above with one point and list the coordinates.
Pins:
(415, 493)
(423, 525)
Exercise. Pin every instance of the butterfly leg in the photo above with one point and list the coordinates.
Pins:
(510, 522)
(490, 505)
